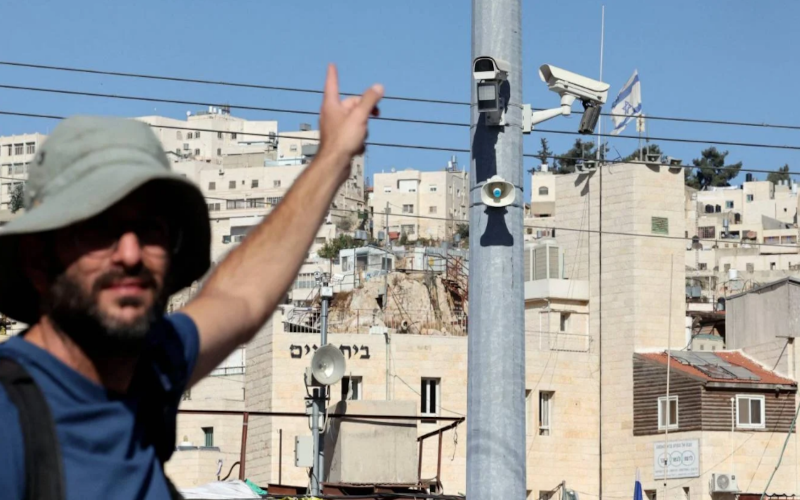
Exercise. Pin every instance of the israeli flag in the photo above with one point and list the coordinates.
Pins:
(627, 105)
(637, 487)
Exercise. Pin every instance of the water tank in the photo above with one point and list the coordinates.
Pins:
(748, 178)
(733, 274)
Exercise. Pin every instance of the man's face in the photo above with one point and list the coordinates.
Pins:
(109, 285)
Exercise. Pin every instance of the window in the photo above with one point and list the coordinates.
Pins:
(212, 186)
(545, 412)
(30, 148)
(255, 203)
(667, 416)
(408, 209)
(254, 183)
(432, 210)
(750, 412)
(659, 225)
(219, 135)
(231, 184)
(709, 209)
(185, 146)
(208, 432)
(293, 147)
(432, 188)
(707, 232)
(234, 204)
(197, 152)
(233, 136)
(213, 207)
(219, 151)
(750, 267)
(718, 209)
(177, 151)
(564, 323)
(729, 204)
(430, 394)
(772, 239)
(276, 184)
(408, 229)
(749, 198)
(543, 191)
(790, 240)
(197, 135)
(351, 388)
(772, 266)
(274, 200)
(189, 135)
(702, 266)
(18, 148)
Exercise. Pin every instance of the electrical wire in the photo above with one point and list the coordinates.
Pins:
(401, 146)
(389, 119)
(396, 98)
(199, 103)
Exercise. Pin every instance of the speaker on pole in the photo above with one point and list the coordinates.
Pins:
(327, 365)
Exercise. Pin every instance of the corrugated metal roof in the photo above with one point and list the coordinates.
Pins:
(720, 366)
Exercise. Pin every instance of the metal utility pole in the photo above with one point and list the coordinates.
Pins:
(496, 370)
(320, 394)
(387, 246)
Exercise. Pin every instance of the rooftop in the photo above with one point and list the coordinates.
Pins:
(719, 366)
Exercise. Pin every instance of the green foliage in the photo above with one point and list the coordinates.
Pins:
(17, 198)
(711, 171)
(345, 224)
(781, 175)
(330, 250)
(404, 239)
(580, 149)
(463, 231)
(545, 155)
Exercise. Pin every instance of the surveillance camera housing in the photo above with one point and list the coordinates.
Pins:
(497, 192)
(489, 68)
(566, 82)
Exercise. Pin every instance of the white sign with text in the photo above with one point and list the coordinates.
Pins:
(682, 459)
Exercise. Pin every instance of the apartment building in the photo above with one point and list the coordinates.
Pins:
(746, 235)
(16, 154)
(421, 204)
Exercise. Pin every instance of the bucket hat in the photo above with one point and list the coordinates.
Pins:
(84, 167)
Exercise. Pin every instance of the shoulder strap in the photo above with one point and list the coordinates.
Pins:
(44, 472)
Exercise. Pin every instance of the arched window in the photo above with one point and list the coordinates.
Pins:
(543, 191)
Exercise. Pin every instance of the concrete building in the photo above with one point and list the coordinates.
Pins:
(747, 235)
(16, 154)
(420, 202)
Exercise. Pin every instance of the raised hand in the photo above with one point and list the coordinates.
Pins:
(343, 123)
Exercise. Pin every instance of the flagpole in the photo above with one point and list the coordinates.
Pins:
(602, 41)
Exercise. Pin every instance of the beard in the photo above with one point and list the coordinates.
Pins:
(77, 314)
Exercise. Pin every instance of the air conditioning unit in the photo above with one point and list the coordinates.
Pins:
(723, 483)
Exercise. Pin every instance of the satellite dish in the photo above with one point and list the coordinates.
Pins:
(327, 365)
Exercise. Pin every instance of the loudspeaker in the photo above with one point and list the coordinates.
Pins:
(328, 365)
(496, 192)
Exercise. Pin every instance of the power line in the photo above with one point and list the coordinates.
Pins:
(393, 145)
(216, 82)
(198, 103)
(388, 119)
(395, 98)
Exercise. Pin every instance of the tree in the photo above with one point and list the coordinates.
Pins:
(711, 171)
(330, 250)
(17, 198)
(585, 150)
(345, 223)
(404, 239)
(545, 155)
(781, 175)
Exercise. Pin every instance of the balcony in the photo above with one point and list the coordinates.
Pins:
(577, 290)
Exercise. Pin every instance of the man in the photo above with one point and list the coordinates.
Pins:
(108, 234)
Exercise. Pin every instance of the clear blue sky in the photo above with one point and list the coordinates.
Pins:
(728, 60)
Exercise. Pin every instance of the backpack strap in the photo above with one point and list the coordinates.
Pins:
(44, 472)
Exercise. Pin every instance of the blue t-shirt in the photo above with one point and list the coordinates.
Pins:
(101, 441)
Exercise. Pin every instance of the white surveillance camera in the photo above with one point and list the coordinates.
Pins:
(489, 68)
(497, 192)
(566, 82)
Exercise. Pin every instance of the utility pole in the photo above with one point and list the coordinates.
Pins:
(320, 394)
(387, 246)
(496, 369)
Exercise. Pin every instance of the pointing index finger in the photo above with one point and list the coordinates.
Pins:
(332, 84)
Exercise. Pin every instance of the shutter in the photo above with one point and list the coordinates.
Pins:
(553, 269)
